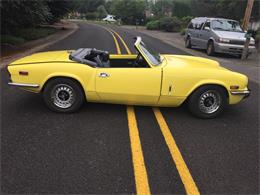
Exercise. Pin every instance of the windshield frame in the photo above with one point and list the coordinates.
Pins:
(149, 55)
(226, 29)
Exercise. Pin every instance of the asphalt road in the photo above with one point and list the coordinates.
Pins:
(89, 152)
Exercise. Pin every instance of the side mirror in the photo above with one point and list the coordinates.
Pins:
(207, 28)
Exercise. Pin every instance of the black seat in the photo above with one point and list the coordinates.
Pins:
(105, 59)
(102, 59)
(92, 57)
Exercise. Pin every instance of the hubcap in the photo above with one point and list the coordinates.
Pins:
(63, 96)
(209, 102)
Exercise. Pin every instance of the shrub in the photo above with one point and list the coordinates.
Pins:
(91, 16)
(9, 39)
(183, 31)
(34, 33)
(170, 24)
(153, 25)
(185, 21)
(150, 19)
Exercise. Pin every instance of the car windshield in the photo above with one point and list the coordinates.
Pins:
(226, 25)
(154, 57)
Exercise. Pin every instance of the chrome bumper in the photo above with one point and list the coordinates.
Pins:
(24, 85)
(231, 48)
(244, 93)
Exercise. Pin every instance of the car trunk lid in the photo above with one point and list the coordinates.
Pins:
(44, 57)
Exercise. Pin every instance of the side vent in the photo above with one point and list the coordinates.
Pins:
(23, 73)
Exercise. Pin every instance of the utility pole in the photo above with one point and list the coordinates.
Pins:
(245, 27)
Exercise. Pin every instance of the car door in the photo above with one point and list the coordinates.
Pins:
(205, 35)
(199, 41)
(194, 35)
(129, 85)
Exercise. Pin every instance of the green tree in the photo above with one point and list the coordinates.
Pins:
(130, 11)
(223, 8)
(181, 9)
(101, 11)
(84, 6)
(162, 7)
(16, 14)
(59, 9)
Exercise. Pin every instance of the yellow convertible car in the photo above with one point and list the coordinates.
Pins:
(68, 78)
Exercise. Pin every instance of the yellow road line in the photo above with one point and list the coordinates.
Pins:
(138, 160)
(116, 42)
(126, 47)
(141, 179)
(182, 168)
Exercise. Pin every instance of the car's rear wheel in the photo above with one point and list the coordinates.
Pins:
(210, 48)
(208, 101)
(63, 95)
(188, 42)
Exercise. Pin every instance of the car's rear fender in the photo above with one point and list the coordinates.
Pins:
(89, 94)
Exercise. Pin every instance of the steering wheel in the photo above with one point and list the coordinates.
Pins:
(138, 60)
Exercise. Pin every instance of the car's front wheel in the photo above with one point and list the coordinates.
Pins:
(63, 95)
(210, 48)
(188, 42)
(208, 101)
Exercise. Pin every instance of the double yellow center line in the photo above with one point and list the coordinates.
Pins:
(141, 178)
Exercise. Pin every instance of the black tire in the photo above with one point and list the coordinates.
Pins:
(188, 42)
(210, 48)
(63, 95)
(208, 101)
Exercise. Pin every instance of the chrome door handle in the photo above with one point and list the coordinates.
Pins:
(103, 75)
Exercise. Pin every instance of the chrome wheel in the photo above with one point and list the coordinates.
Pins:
(63, 96)
(209, 101)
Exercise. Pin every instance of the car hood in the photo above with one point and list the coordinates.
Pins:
(231, 35)
(191, 62)
(44, 57)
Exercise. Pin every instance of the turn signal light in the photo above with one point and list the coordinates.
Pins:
(23, 73)
(234, 87)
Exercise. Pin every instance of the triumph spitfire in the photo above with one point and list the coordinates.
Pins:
(68, 78)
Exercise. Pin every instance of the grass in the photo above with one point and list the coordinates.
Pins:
(21, 36)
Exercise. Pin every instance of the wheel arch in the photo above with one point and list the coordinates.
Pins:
(187, 35)
(74, 78)
(203, 84)
(211, 39)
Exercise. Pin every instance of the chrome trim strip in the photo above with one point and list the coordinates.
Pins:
(24, 85)
(246, 92)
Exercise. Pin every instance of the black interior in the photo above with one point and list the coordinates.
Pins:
(98, 58)
(128, 63)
